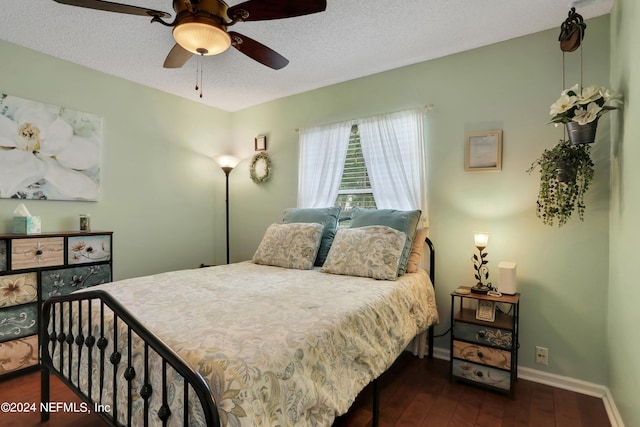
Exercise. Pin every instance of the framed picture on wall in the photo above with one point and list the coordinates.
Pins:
(483, 151)
(261, 143)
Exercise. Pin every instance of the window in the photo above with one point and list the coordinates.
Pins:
(345, 164)
(355, 188)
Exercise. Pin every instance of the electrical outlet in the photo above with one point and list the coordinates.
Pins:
(542, 355)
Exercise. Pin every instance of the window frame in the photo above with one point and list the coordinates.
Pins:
(354, 138)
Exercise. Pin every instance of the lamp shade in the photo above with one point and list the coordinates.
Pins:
(227, 161)
(480, 239)
(201, 36)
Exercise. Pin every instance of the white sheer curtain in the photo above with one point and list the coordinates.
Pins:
(323, 150)
(393, 149)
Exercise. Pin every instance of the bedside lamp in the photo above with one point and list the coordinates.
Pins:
(481, 240)
(227, 163)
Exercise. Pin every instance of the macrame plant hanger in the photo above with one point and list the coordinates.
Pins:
(571, 36)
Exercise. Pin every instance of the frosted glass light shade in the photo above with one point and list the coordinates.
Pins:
(481, 240)
(201, 38)
(226, 161)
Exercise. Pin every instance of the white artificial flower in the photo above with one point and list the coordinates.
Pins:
(563, 104)
(573, 102)
(575, 89)
(584, 116)
(589, 94)
(611, 96)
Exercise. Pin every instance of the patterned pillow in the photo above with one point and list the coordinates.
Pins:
(372, 251)
(292, 245)
(405, 221)
(325, 216)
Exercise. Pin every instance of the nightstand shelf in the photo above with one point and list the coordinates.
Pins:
(482, 352)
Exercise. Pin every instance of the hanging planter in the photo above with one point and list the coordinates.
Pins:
(566, 171)
(583, 106)
(582, 134)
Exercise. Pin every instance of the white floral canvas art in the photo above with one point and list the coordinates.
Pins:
(48, 152)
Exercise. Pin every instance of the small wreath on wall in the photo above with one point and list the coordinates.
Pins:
(260, 168)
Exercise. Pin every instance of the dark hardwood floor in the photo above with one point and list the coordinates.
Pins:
(414, 392)
(417, 392)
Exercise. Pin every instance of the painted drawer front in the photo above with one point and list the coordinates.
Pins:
(18, 354)
(16, 289)
(3, 255)
(37, 252)
(483, 335)
(67, 280)
(481, 374)
(84, 249)
(18, 321)
(485, 355)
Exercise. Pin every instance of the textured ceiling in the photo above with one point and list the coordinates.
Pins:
(351, 39)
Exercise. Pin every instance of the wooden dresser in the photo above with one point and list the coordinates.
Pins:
(34, 267)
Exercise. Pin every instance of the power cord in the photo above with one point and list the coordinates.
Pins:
(443, 334)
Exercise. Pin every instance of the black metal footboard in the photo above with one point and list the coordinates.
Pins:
(119, 368)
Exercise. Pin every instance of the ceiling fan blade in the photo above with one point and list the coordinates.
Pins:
(257, 51)
(177, 57)
(259, 10)
(114, 7)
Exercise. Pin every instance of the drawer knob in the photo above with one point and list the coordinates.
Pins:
(479, 374)
(480, 354)
(481, 334)
(39, 252)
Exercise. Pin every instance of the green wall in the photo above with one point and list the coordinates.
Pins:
(161, 192)
(623, 347)
(562, 272)
(164, 196)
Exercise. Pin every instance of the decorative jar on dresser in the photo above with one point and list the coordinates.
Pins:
(485, 352)
(34, 267)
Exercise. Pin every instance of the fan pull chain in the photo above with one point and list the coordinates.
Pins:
(199, 74)
(197, 68)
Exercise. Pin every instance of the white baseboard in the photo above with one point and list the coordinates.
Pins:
(559, 381)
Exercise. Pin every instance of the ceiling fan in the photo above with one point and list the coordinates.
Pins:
(200, 26)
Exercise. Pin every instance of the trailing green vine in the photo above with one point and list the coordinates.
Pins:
(566, 171)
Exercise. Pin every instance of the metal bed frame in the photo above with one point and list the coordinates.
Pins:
(61, 308)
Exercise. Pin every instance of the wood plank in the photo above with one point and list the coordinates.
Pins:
(592, 411)
(414, 392)
(26, 389)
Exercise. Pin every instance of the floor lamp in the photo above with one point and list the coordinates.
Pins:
(227, 163)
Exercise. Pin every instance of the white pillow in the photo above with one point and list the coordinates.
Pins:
(293, 245)
(372, 251)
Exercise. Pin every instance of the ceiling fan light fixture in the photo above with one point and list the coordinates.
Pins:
(201, 37)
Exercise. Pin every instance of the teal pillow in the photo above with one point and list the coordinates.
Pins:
(405, 221)
(328, 217)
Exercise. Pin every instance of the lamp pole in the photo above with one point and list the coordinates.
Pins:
(227, 170)
(227, 163)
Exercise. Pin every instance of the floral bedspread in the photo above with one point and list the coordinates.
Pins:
(278, 347)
